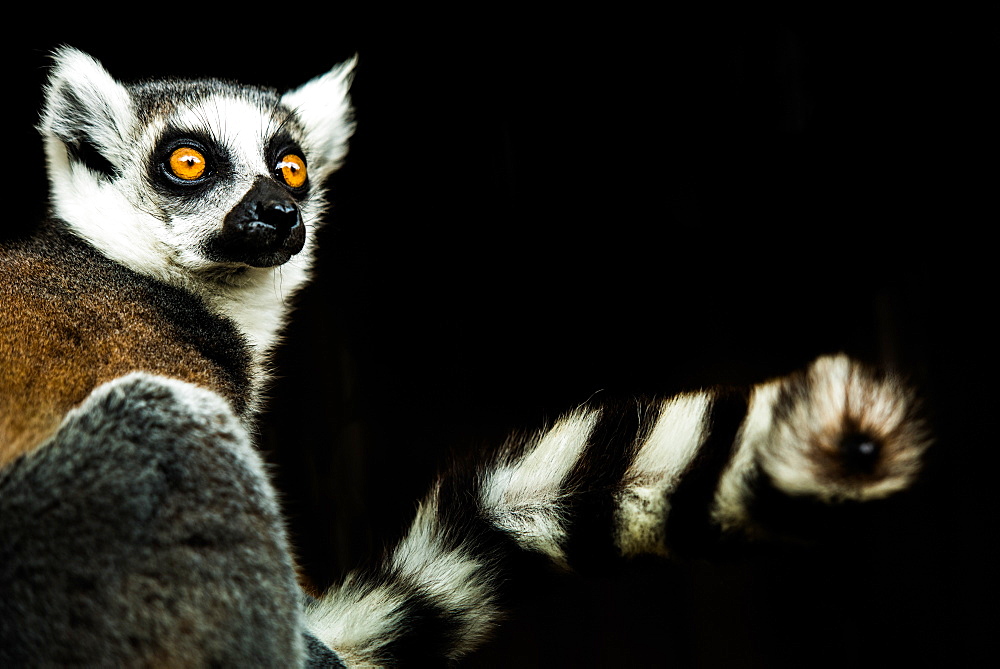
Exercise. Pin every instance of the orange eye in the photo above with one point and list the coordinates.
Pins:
(292, 169)
(187, 163)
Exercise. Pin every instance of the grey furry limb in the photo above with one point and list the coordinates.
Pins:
(145, 533)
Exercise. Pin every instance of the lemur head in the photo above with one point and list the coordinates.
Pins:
(200, 183)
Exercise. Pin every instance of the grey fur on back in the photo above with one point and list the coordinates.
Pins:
(145, 533)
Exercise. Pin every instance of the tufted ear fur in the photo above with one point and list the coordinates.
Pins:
(323, 106)
(86, 111)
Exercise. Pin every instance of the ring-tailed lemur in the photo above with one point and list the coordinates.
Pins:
(181, 213)
(137, 523)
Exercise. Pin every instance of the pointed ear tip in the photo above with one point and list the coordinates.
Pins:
(339, 77)
(341, 72)
(345, 70)
(65, 52)
(67, 57)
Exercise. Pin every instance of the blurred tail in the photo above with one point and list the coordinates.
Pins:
(607, 482)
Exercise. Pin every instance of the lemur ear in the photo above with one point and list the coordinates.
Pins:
(324, 108)
(86, 109)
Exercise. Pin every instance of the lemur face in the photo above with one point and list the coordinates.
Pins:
(206, 177)
(228, 178)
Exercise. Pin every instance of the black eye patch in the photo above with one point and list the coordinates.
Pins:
(288, 161)
(185, 161)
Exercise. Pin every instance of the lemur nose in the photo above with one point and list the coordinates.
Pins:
(282, 216)
(264, 229)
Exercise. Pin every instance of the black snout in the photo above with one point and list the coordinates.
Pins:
(279, 215)
(264, 230)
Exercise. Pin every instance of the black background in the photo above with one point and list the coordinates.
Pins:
(538, 208)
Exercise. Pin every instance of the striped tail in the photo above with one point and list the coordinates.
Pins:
(660, 478)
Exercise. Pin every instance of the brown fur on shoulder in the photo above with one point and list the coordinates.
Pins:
(71, 319)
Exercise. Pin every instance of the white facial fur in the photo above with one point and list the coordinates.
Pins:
(163, 234)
